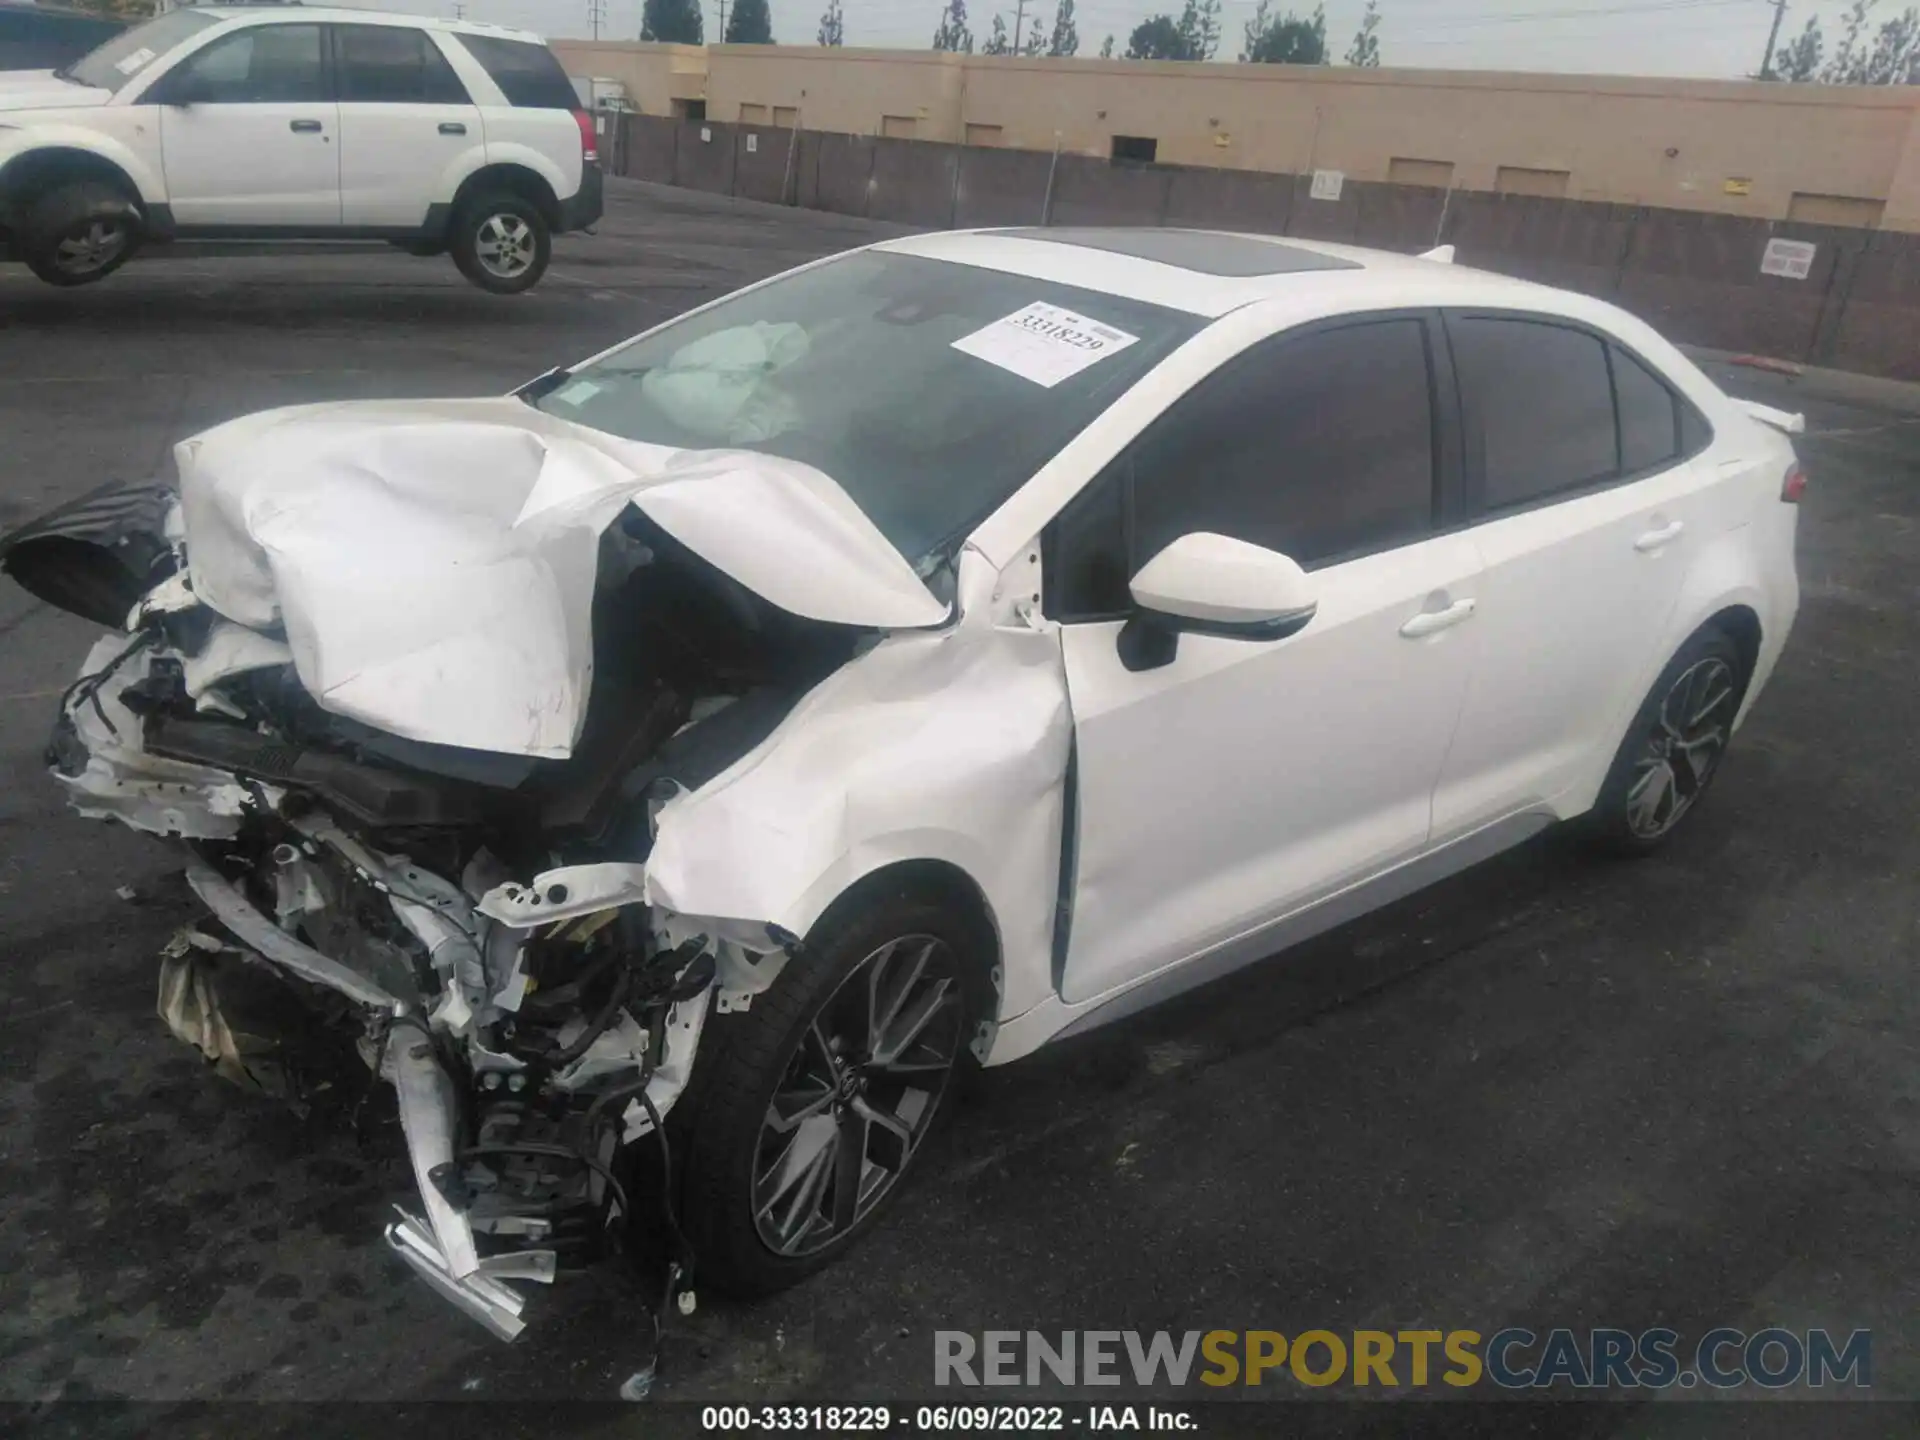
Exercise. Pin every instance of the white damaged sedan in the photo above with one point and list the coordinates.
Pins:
(922, 655)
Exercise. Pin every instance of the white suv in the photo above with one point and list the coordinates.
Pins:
(276, 123)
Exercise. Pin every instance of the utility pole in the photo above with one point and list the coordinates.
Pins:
(596, 12)
(723, 23)
(1773, 35)
(1019, 14)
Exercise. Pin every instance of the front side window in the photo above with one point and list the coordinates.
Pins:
(127, 54)
(929, 391)
(394, 65)
(1649, 416)
(1319, 446)
(261, 65)
(1544, 404)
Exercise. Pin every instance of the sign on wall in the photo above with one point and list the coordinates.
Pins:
(1326, 184)
(1791, 259)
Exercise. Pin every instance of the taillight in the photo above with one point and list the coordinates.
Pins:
(1794, 486)
(589, 144)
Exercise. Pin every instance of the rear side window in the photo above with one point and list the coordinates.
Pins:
(393, 64)
(528, 75)
(1544, 405)
(1649, 416)
(1695, 433)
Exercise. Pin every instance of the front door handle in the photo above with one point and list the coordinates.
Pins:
(304, 127)
(1654, 539)
(1430, 622)
(452, 127)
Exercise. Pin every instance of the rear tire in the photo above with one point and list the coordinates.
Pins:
(79, 232)
(793, 1075)
(501, 242)
(1673, 748)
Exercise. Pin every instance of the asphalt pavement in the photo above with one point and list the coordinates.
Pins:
(1553, 1091)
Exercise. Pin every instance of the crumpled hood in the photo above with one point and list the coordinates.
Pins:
(43, 90)
(432, 563)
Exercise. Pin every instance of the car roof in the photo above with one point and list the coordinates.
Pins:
(295, 14)
(1212, 272)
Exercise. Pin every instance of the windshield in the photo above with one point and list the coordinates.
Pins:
(928, 391)
(113, 64)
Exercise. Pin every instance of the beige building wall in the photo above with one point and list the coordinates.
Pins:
(908, 94)
(1903, 197)
(1822, 154)
(655, 75)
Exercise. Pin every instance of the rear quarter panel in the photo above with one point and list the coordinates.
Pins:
(546, 142)
(1744, 556)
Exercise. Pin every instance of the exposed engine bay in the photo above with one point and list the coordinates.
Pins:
(464, 918)
(506, 755)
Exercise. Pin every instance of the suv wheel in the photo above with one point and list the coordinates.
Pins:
(502, 243)
(1673, 748)
(78, 233)
(816, 1100)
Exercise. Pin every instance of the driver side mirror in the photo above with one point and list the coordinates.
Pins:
(1213, 585)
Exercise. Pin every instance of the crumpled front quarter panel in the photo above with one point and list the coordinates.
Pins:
(948, 746)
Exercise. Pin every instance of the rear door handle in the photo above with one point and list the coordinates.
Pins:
(1430, 622)
(304, 127)
(1654, 539)
(452, 127)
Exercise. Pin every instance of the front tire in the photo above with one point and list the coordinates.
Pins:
(815, 1101)
(1673, 747)
(78, 233)
(502, 243)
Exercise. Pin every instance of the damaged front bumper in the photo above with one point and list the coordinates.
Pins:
(364, 858)
(450, 1057)
(530, 1032)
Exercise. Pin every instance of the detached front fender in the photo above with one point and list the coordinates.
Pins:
(948, 746)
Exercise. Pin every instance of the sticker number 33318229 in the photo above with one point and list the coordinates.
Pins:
(1044, 343)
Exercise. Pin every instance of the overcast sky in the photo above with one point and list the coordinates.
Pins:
(1721, 39)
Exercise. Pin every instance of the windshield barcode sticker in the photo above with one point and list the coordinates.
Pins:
(1044, 343)
(578, 393)
(134, 61)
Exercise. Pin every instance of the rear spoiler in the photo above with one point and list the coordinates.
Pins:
(1781, 420)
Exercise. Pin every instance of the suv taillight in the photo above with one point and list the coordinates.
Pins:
(589, 144)
(1794, 486)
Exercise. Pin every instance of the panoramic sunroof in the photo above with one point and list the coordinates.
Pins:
(1207, 252)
